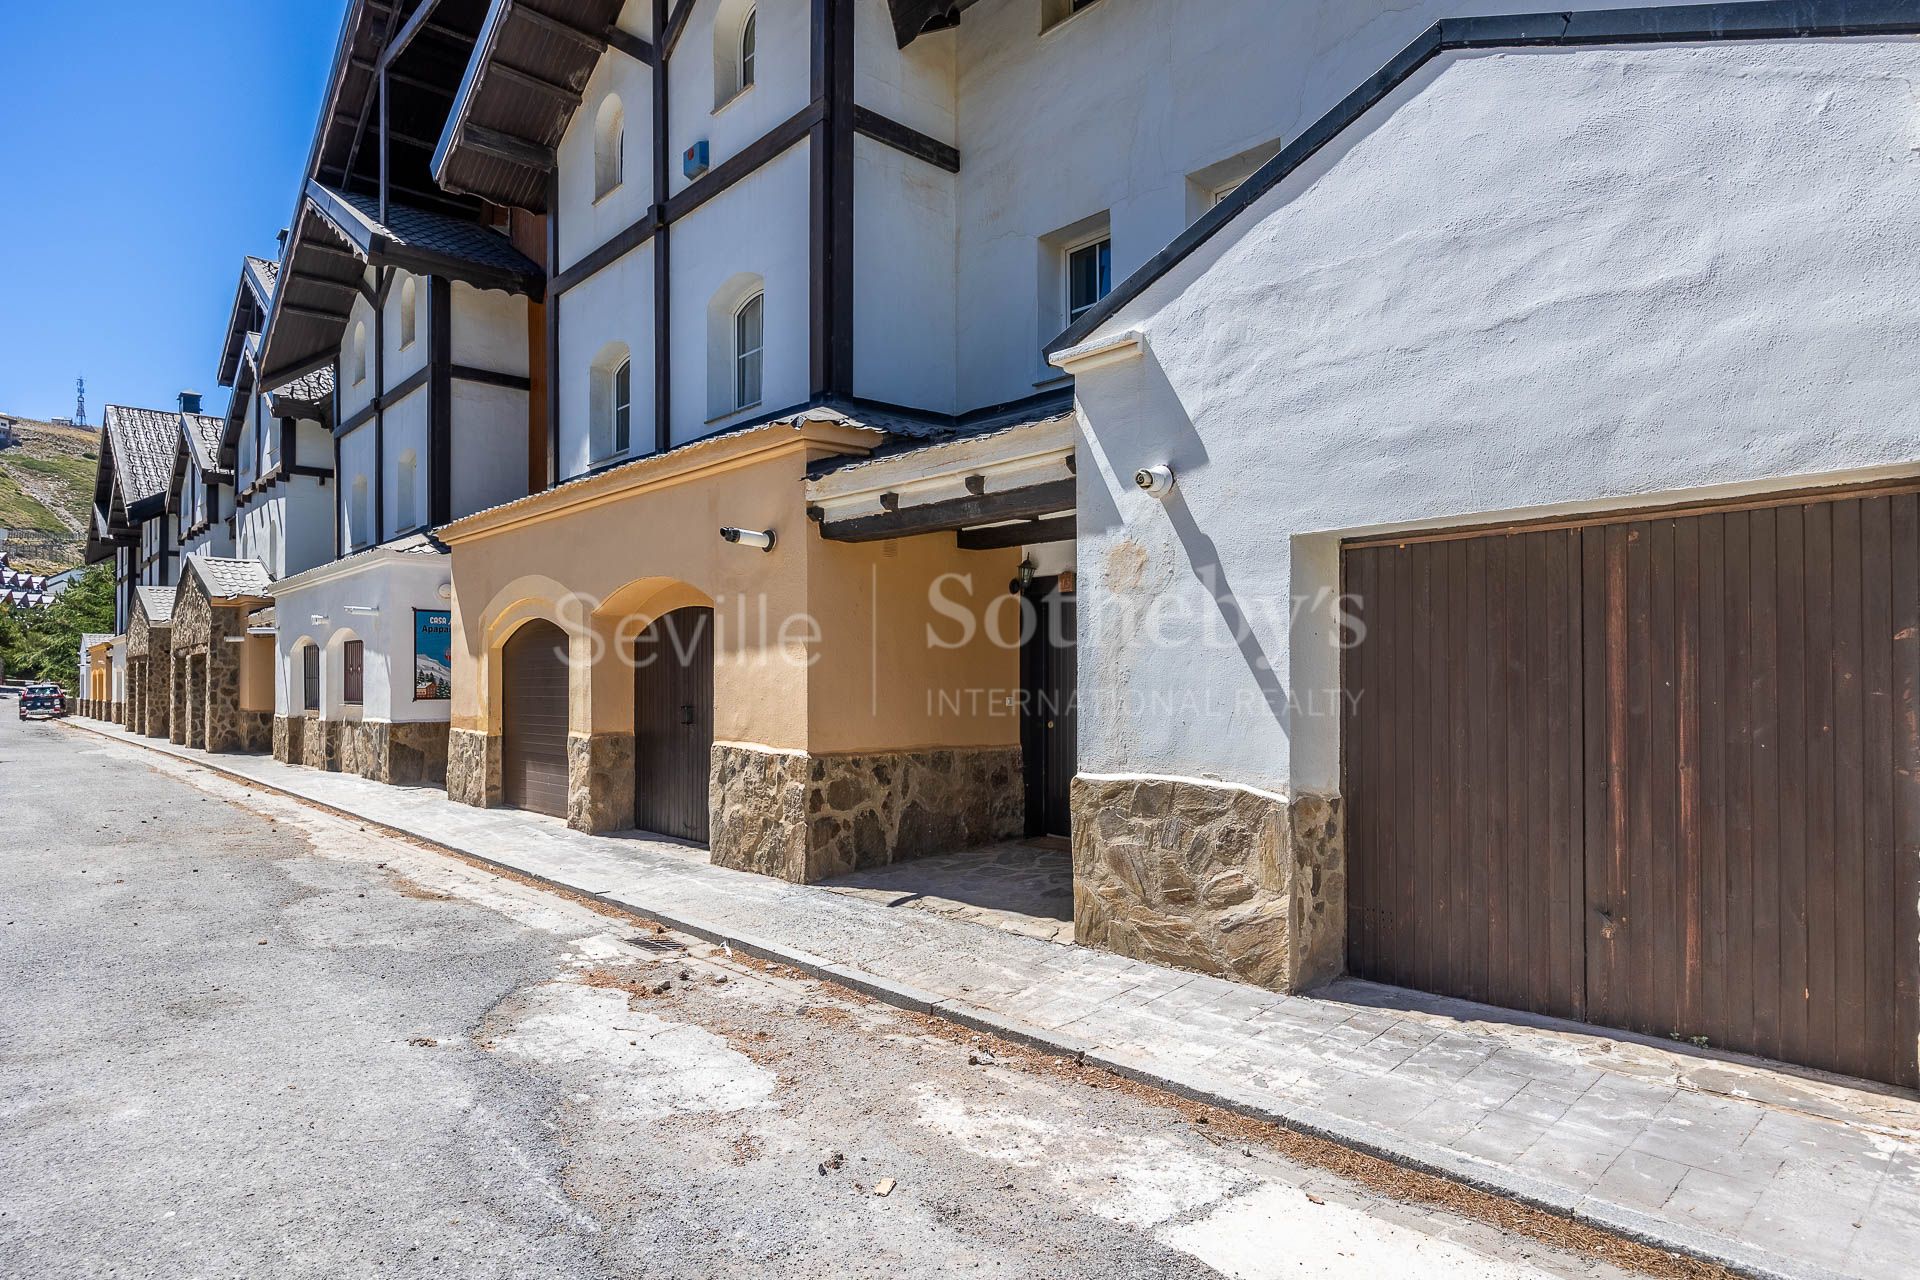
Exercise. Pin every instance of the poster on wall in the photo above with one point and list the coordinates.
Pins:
(432, 655)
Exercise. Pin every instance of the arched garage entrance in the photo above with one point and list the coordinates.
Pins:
(673, 723)
(533, 719)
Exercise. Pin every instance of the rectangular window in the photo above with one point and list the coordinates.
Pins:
(310, 677)
(1089, 277)
(354, 666)
(623, 406)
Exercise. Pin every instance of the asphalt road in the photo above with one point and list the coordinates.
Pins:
(243, 1037)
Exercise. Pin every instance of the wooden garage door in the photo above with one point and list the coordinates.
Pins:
(1657, 773)
(673, 723)
(534, 719)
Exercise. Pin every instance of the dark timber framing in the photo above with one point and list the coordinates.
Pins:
(957, 513)
(1688, 24)
(439, 400)
(828, 124)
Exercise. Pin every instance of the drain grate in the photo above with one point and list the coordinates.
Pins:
(660, 946)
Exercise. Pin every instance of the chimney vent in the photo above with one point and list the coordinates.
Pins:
(189, 402)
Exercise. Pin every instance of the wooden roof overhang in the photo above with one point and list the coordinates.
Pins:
(1005, 488)
(251, 298)
(423, 47)
(528, 72)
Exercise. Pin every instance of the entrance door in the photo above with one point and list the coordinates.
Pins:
(673, 723)
(1657, 773)
(534, 719)
(1049, 718)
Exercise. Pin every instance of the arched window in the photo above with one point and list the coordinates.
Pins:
(611, 403)
(736, 40)
(408, 312)
(406, 516)
(609, 146)
(357, 357)
(747, 32)
(749, 335)
(359, 527)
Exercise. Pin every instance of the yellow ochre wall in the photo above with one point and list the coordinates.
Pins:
(605, 557)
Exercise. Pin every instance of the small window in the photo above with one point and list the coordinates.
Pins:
(748, 36)
(1220, 195)
(408, 312)
(310, 677)
(1089, 277)
(409, 474)
(749, 333)
(623, 406)
(353, 663)
(1055, 12)
(609, 146)
(358, 364)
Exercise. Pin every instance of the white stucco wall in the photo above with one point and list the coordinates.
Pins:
(394, 585)
(489, 462)
(1530, 283)
(612, 306)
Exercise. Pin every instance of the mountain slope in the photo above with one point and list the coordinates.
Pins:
(46, 493)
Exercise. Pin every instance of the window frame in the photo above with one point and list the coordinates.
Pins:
(609, 148)
(1103, 269)
(741, 353)
(310, 677)
(353, 673)
(746, 52)
(620, 399)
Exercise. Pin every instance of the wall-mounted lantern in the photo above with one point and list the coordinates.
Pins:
(761, 538)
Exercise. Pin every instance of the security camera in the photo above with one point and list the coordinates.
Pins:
(761, 538)
(1156, 480)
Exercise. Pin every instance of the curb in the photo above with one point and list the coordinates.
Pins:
(1371, 1140)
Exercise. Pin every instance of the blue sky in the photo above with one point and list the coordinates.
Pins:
(145, 146)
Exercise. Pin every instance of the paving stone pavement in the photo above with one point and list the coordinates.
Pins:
(1772, 1172)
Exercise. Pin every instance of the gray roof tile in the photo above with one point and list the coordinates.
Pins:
(227, 578)
(143, 442)
(202, 431)
(158, 602)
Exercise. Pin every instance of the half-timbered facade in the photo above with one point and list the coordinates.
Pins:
(417, 305)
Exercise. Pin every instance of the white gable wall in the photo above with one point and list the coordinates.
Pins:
(1679, 271)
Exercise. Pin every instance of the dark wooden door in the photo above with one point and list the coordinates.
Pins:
(534, 719)
(1049, 715)
(673, 723)
(1659, 773)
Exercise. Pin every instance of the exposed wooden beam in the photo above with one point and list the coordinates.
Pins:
(506, 146)
(904, 138)
(631, 45)
(528, 80)
(955, 513)
(676, 26)
(1027, 532)
(408, 30)
(788, 133)
(313, 313)
(491, 377)
(565, 30)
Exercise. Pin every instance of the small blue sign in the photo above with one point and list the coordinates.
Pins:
(695, 161)
(432, 655)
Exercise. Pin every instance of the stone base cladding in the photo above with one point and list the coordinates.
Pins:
(473, 768)
(600, 782)
(1222, 880)
(286, 738)
(397, 754)
(320, 744)
(808, 818)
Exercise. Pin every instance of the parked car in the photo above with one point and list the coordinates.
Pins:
(42, 702)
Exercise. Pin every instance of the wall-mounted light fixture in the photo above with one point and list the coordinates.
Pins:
(1156, 480)
(319, 619)
(761, 538)
(1026, 571)
(362, 609)
(446, 591)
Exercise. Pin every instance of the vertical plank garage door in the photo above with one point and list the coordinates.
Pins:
(673, 723)
(1660, 772)
(533, 677)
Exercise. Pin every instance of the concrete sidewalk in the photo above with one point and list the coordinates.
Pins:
(1768, 1171)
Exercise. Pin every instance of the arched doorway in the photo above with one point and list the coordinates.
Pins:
(533, 719)
(673, 723)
